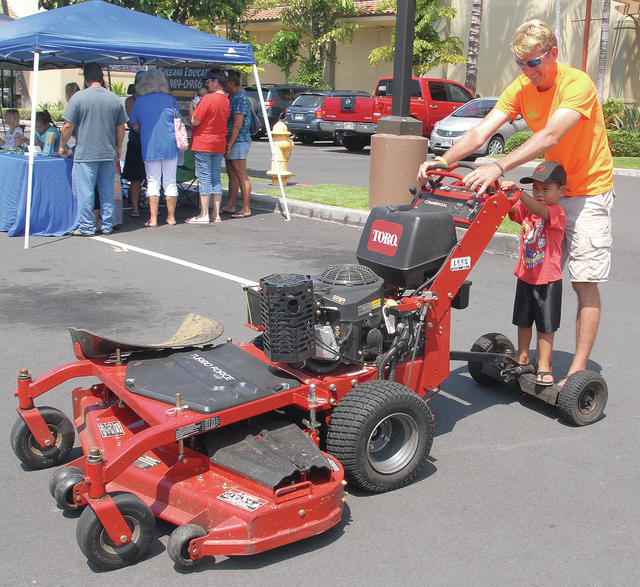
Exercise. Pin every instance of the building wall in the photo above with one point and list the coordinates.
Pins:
(496, 66)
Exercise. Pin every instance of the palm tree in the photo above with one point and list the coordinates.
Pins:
(604, 45)
(471, 80)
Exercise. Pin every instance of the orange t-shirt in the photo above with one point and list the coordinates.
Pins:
(210, 135)
(584, 150)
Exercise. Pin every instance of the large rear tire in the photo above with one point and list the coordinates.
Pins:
(583, 398)
(382, 433)
(493, 342)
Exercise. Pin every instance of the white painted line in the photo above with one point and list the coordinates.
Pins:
(454, 398)
(222, 274)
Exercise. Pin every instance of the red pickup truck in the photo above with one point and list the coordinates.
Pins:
(354, 120)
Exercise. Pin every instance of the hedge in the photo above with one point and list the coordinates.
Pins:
(621, 142)
(25, 113)
(624, 143)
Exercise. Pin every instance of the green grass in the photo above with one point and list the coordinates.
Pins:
(627, 162)
(329, 194)
(350, 197)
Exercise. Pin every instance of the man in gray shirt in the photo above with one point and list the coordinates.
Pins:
(98, 118)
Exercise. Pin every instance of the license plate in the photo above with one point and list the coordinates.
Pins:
(348, 126)
(298, 116)
(447, 142)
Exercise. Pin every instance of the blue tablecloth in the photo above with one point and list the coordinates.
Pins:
(53, 207)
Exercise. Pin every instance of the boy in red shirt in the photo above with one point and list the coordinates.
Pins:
(539, 271)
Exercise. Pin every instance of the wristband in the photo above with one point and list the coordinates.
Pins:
(442, 160)
(500, 167)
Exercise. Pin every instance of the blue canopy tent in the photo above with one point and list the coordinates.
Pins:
(71, 36)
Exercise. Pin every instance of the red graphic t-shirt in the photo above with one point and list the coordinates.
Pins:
(540, 256)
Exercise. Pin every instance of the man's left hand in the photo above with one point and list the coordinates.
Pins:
(482, 178)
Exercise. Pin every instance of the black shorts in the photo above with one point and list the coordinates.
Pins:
(541, 304)
(133, 163)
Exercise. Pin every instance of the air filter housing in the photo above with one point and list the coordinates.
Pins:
(288, 317)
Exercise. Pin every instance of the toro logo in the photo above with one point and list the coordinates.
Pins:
(384, 237)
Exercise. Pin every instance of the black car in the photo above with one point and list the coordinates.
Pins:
(303, 117)
(276, 99)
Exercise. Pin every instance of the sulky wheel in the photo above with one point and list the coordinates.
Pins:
(178, 545)
(583, 398)
(382, 433)
(60, 474)
(489, 343)
(97, 546)
(41, 457)
(63, 493)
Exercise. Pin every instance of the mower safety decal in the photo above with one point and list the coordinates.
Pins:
(145, 462)
(243, 500)
(197, 428)
(384, 237)
(108, 429)
(461, 264)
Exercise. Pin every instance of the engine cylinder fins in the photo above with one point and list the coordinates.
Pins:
(349, 274)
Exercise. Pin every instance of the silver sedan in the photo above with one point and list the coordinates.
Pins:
(448, 131)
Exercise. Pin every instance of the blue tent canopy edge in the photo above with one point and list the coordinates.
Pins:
(98, 31)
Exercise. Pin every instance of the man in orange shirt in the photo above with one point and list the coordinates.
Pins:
(560, 104)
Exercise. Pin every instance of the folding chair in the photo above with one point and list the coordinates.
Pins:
(186, 174)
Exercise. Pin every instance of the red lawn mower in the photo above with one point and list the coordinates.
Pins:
(244, 446)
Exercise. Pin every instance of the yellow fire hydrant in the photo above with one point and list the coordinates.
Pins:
(283, 147)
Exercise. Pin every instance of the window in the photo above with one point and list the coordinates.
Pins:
(438, 92)
(458, 93)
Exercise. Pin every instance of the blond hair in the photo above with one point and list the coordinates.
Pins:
(12, 116)
(533, 34)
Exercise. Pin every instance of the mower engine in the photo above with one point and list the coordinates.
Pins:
(339, 316)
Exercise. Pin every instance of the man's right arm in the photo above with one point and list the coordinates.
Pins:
(469, 143)
(65, 135)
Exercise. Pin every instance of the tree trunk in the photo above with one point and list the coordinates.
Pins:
(559, 22)
(604, 45)
(471, 81)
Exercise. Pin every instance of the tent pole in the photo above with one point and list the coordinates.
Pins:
(273, 149)
(32, 147)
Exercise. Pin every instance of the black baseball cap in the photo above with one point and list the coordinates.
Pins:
(547, 171)
(219, 74)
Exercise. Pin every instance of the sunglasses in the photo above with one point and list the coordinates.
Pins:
(534, 62)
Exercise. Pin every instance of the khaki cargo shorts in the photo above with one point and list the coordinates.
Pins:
(587, 237)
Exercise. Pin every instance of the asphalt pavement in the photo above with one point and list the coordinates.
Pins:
(510, 495)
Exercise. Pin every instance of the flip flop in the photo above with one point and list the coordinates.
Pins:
(241, 215)
(218, 220)
(195, 220)
(135, 214)
(171, 223)
(540, 380)
(222, 211)
(149, 225)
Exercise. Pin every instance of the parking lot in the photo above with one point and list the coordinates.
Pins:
(510, 494)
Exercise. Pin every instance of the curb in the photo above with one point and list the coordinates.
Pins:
(501, 244)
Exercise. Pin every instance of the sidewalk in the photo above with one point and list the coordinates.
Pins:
(502, 244)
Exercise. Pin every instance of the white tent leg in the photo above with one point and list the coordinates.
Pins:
(32, 147)
(273, 149)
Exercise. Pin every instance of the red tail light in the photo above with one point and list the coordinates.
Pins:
(269, 103)
(319, 112)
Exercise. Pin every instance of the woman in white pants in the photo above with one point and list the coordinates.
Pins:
(152, 116)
